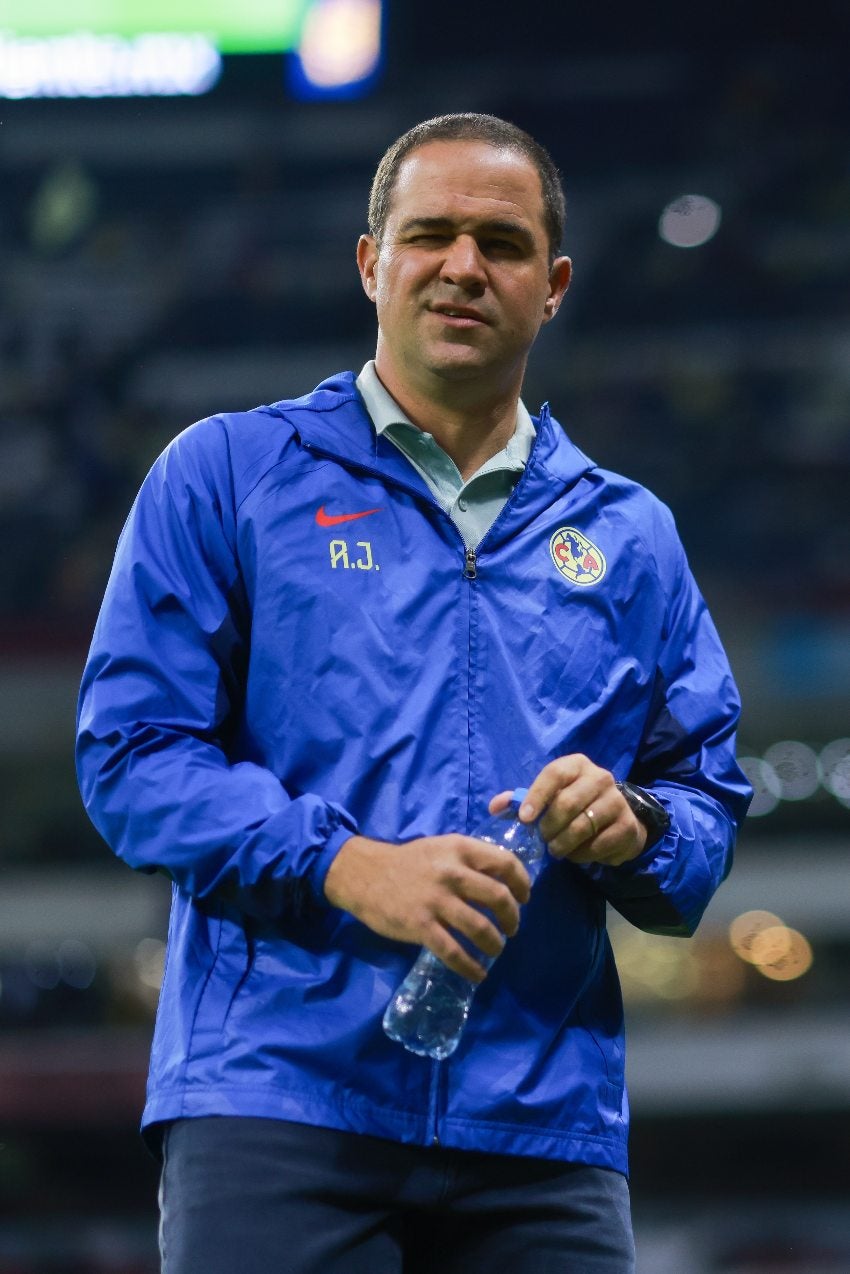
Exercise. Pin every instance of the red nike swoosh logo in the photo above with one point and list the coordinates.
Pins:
(334, 519)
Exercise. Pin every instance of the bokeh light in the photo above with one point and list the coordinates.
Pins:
(788, 955)
(793, 770)
(653, 968)
(797, 768)
(149, 962)
(835, 768)
(77, 964)
(689, 221)
(770, 946)
(701, 975)
(745, 929)
(341, 41)
(86, 64)
(767, 788)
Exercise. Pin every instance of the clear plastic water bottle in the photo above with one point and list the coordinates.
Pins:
(429, 1009)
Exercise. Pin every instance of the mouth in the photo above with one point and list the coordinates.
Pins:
(460, 316)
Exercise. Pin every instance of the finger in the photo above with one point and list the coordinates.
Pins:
(583, 828)
(496, 899)
(619, 839)
(500, 802)
(501, 865)
(576, 847)
(623, 840)
(568, 812)
(586, 804)
(471, 925)
(453, 955)
(552, 779)
(607, 850)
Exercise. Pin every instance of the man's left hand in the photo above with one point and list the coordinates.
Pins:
(584, 817)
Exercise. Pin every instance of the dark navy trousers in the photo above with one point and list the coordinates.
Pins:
(263, 1196)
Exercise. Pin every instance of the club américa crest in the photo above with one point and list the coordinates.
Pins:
(576, 557)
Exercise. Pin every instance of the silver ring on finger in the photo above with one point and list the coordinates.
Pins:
(591, 818)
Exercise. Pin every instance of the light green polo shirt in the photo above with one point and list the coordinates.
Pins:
(473, 505)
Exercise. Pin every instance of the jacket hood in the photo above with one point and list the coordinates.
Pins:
(315, 418)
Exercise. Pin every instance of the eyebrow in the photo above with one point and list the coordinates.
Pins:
(512, 228)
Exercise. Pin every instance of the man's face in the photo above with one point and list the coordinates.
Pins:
(462, 280)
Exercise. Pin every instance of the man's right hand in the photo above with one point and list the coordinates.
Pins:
(428, 890)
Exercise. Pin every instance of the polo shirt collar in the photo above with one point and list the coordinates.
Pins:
(386, 414)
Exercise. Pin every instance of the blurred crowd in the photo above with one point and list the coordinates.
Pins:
(141, 294)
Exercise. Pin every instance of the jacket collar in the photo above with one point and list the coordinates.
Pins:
(333, 419)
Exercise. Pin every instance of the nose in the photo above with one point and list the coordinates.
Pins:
(463, 264)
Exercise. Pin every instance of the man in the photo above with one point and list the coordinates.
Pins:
(337, 629)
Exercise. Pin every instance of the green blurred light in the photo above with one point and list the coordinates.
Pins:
(234, 26)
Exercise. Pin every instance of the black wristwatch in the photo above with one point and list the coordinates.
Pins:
(647, 810)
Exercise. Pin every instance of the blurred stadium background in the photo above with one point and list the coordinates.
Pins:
(177, 225)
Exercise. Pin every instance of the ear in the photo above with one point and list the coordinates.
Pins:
(367, 260)
(559, 280)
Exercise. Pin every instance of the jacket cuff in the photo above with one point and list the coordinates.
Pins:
(322, 861)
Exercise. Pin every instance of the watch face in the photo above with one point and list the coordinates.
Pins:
(647, 809)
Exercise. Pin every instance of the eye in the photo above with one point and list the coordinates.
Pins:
(501, 247)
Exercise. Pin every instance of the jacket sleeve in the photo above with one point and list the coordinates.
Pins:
(161, 702)
(687, 760)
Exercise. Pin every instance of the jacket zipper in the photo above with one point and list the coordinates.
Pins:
(470, 572)
(434, 1103)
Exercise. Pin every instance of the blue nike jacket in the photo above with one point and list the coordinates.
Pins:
(294, 646)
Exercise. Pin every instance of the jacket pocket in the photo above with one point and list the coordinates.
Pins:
(231, 949)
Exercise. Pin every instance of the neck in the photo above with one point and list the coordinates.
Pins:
(470, 427)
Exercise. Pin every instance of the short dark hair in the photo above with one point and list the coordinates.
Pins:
(469, 126)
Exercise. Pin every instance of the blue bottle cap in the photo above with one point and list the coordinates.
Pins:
(520, 793)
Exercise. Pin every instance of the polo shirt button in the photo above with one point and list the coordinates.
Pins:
(462, 505)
